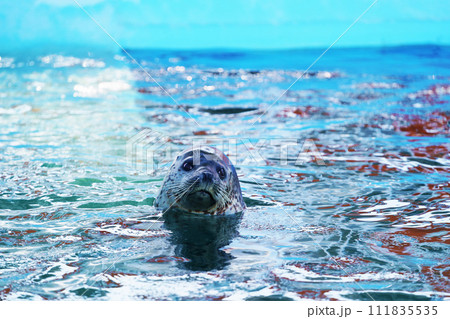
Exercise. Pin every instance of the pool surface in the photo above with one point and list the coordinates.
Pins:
(366, 218)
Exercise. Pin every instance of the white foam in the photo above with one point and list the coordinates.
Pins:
(118, 230)
(61, 61)
(64, 238)
(299, 274)
(387, 204)
(18, 109)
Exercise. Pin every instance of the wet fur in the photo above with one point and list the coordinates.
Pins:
(178, 184)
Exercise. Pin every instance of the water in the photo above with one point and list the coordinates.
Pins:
(77, 221)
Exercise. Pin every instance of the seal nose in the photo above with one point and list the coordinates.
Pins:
(207, 177)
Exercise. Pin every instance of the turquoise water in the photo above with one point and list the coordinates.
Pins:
(369, 222)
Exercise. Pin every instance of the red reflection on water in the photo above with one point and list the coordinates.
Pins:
(431, 124)
(438, 276)
(303, 111)
(315, 294)
(432, 151)
(42, 216)
(4, 293)
(167, 259)
(399, 242)
(373, 168)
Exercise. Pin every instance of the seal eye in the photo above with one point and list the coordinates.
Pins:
(188, 165)
(221, 172)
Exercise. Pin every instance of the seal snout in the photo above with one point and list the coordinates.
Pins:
(203, 179)
(199, 200)
(207, 177)
(200, 196)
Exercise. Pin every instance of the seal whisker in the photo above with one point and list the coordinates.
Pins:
(177, 198)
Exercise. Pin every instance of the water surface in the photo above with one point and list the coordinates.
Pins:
(77, 221)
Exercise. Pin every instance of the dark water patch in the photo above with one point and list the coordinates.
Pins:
(23, 204)
(200, 239)
(251, 202)
(51, 165)
(425, 161)
(62, 199)
(146, 202)
(86, 181)
(48, 274)
(269, 298)
(89, 292)
(228, 110)
(387, 296)
(145, 181)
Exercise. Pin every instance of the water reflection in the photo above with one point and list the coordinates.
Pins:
(201, 238)
(380, 207)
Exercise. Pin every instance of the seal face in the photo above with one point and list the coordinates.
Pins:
(201, 180)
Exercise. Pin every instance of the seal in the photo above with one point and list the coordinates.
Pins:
(201, 180)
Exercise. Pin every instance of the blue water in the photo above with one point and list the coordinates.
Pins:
(369, 221)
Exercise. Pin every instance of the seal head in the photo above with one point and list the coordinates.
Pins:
(201, 180)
